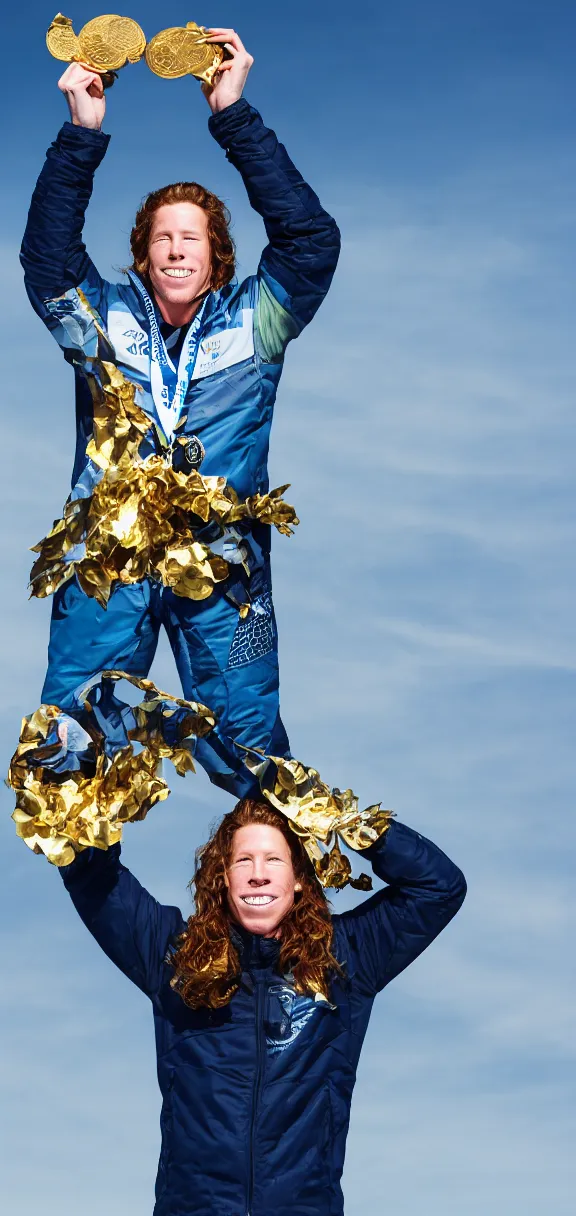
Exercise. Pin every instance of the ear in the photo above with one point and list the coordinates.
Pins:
(226, 883)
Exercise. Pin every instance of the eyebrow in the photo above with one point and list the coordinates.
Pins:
(185, 232)
(247, 853)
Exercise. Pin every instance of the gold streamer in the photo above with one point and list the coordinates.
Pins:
(320, 816)
(61, 817)
(141, 517)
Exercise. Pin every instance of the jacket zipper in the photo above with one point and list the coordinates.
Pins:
(260, 995)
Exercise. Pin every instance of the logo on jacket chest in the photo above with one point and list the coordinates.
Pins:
(225, 348)
(137, 342)
(287, 1015)
(210, 347)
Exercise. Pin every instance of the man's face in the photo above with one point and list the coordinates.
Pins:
(260, 878)
(179, 254)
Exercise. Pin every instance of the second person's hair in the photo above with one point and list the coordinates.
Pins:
(206, 963)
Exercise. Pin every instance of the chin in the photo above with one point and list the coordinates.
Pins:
(175, 293)
(256, 924)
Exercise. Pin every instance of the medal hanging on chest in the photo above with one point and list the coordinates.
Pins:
(169, 384)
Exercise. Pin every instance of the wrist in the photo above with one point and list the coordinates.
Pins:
(217, 105)
(231, 120)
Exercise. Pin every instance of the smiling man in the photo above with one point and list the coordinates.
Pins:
(261, 1001)
(205, 355)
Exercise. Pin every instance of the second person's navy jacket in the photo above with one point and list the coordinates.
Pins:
(256, 1095)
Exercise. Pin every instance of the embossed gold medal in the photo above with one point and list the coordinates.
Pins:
(106, 43)
(183, 51)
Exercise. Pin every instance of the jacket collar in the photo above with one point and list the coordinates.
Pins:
(214, 302)
(256, 952)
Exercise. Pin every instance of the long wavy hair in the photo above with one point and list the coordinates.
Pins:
(206, 962)
(221, 243)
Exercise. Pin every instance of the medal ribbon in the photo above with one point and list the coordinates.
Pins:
(168, 384)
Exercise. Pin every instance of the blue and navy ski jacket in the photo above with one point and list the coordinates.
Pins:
(245, 327)
(256, 1095)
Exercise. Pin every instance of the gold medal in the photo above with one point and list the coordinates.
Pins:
(183, 51)
(61, 39)
(108, 43)
(105, 44)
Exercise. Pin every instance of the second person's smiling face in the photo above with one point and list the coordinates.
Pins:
(180, 263)
(260, 878)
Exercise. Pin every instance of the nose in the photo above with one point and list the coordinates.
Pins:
(258, 881)
(176, 250)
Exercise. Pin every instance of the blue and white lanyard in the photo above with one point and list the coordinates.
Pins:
(168, 385)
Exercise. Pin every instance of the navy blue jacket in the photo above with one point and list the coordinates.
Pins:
(256, 1096)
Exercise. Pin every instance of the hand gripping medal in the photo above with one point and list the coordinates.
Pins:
(184, 51)
(105, 44)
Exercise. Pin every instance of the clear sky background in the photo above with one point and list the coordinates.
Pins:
(426, 604)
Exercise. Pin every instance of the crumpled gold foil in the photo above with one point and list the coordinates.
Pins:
(320, 816)
(141, 517)
(60, 818)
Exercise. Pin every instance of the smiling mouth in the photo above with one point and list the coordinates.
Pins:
(177, 272)
(257, 901)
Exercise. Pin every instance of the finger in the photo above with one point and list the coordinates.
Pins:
(96, 88)
(77, 76)
(70, 75)
(219, 35)
(88, 71)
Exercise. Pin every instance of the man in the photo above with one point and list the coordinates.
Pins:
(261, 1002)
(206, 355)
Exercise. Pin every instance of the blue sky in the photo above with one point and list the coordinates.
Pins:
(426, 603)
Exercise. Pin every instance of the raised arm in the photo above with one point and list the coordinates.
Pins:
(53, 253)
(132, 928)
(297, 265)
(425, 889)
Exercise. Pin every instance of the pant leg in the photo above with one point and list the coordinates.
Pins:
(86, 638)
(231, 665)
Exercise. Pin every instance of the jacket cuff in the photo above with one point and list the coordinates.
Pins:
(87, 861)
(83, 144)
(227, 123)
(378, 847)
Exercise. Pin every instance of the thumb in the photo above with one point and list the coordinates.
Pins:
(96, 88)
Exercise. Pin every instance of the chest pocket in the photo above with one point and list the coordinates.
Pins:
(226, 347)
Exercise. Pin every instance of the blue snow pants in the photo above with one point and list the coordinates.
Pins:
(225, 662)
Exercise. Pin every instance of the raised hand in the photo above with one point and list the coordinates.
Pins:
(229, 81)
(84, 93)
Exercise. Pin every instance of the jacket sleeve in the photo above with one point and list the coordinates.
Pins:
(378, 939)
(132, 928)
(53, 253)
(297, 265)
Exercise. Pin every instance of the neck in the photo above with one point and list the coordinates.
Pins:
(179, 314)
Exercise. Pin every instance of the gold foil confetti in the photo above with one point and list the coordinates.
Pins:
(142, 516)
(59, 815)
(320, 816)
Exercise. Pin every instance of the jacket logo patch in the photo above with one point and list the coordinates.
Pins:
(210, 347)
(288, 1014)
(139, 344)
(225, 348)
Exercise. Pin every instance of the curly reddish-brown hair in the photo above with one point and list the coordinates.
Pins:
(221, 243)
(206, 962)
